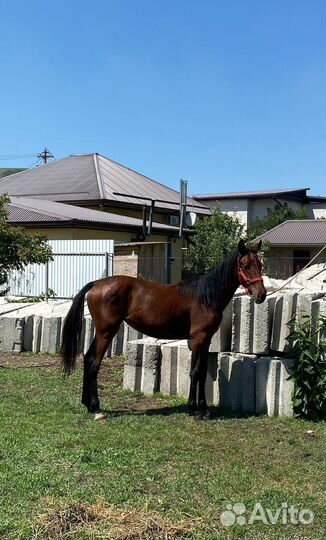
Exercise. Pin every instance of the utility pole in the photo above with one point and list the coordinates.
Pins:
(183, 205)
(45, 155)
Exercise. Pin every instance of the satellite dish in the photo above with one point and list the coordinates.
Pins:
(190, 219)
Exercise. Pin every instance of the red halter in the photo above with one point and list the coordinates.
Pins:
(246, 281)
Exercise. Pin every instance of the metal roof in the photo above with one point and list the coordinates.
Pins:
(34, 211)
(297, 232)
(91, 177)
(297, 192)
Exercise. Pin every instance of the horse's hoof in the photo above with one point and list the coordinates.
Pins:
(206, 414)
(99, 417)
(198, 416)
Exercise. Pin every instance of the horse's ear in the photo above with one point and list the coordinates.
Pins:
(257, 248)
(242, 248)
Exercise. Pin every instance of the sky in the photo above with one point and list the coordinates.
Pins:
(227, 94)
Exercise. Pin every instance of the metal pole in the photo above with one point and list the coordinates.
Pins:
(47, 281)
(183, 204)
(106, 264)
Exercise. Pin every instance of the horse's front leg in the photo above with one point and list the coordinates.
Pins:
(194, 378)
(198, 372)
(202, 404)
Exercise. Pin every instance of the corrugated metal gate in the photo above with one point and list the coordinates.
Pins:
(76, 262)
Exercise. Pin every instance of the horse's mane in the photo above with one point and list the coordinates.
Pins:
(214, 289)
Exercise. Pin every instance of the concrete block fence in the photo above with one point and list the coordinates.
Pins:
(247, 371)
(244, 383)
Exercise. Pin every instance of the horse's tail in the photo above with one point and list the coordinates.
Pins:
(72, 330)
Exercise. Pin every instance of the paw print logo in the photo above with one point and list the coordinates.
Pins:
(233, 515)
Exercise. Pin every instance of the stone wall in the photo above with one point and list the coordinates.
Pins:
(247, 368)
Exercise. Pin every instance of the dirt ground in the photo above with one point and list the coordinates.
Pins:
(111, 372)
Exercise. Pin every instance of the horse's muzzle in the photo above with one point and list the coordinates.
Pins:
(260, 298)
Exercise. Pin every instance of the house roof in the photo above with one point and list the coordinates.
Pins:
(31, 212)
(298, 193)
(297, 232)
(92, 178)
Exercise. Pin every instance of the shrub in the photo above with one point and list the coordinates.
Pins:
(308, 348)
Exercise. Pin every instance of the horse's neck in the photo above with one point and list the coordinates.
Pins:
(234, 284)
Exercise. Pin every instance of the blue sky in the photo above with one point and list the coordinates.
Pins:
(228, 94)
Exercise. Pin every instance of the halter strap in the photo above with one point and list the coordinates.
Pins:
(245, 280)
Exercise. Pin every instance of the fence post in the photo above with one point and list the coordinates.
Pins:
(47, 281)
(106, 264)
(112, 262)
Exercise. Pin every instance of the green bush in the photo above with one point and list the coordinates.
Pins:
(308, 347)
(215, 237)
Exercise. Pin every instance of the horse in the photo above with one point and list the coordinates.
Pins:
(191, 309)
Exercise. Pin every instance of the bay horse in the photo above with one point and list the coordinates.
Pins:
(191, 309)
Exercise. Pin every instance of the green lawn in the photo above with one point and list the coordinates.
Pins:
(62, 475)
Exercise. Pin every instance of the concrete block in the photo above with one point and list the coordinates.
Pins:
(142, 368)
(134, 354)
(236, 381)
(221, 340)
(116, 346)
(132, 334)
(51, 332)
(183, 369)
(273, 386)
(151, 364)
(131, 378)
(242, 324)
(169, 362)
(262, 326)
(11, 334)
(261, 378)
(285, 309)
(37, 333)
(89, 333)
(318, 308)
(211, 386)
(285, 407)
(28, 333)
(304, 305)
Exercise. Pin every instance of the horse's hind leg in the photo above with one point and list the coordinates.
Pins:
(92, 364)
(202, 404)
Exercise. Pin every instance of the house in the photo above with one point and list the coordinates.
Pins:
(91, 196)
(62, 221)
(96, 182)
(292, 244)
(250, 205)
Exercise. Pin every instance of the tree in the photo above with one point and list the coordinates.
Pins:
(17, 248)
(274, 217)
(215, 237)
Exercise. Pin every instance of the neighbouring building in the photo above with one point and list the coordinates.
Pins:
(90, 196)
(250, 205)
(292, 244)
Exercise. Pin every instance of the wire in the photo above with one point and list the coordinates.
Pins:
(16, 156)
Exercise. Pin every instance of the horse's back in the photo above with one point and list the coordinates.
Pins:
(150, 307)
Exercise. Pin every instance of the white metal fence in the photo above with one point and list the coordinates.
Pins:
(75, 263)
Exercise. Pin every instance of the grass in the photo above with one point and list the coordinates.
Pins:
(149, 471)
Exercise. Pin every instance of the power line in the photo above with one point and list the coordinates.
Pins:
(17, 156)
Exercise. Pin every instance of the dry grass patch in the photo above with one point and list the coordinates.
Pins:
(102, 522)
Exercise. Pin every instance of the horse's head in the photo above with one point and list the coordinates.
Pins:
(249, 271)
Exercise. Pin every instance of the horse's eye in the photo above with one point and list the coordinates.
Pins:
(247, 266)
